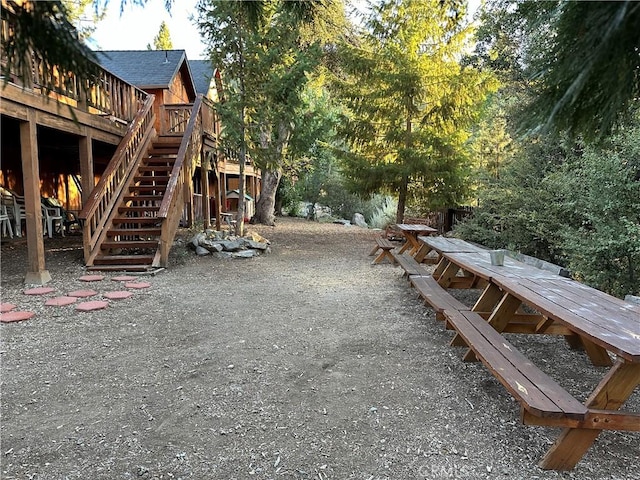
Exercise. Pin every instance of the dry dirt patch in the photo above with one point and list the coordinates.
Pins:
(307, 363)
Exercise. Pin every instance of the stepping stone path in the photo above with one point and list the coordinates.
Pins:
(137, 285)
(91, 278)
(82, 293)
(119, 295)
(9, 317)
(39, 291)
(7, 307)
(9, 314)
(60, 301)
(93, 305)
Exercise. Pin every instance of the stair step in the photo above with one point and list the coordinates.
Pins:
(169, 139)
(150, 209)
(134, 232)
(128, 244)
(155, 168)
(152, 178)
(168, 153)
(143, 198)
(137, 220)
(148, 188)
(124, 260)
(119, 268)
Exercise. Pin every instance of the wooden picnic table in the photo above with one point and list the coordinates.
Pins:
(411, 232)
(586, 317)
(439, 244)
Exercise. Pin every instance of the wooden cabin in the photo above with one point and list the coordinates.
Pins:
(134, 158)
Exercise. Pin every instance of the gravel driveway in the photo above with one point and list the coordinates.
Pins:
(306, 363)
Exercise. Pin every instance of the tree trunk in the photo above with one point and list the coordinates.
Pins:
(265, 206)
(402, 199)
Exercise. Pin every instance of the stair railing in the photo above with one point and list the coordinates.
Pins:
(101, 207)
(179, 186)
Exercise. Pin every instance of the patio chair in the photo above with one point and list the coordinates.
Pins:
(68, 218)
(5, 222)
(50, 216)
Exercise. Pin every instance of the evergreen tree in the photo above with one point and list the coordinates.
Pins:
(408, 101)
(162, 41)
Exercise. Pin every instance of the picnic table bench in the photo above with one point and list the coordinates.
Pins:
(385, 247)
(411, 232)
(601, 324)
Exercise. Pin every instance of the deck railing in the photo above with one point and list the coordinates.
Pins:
(96, 213)
(175, 118)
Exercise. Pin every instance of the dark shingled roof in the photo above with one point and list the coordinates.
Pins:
(143, 68)
(202, 72)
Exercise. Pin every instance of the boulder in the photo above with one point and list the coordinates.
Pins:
(197, 238)
(358, 219)
(232, 245)
(201, 251)
(211, 245)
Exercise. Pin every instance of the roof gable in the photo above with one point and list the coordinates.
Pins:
(202, 72)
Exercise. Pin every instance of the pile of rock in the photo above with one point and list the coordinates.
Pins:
(223, 245)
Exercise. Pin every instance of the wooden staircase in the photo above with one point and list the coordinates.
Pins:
(133, 238)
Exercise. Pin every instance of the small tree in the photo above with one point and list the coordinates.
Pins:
(408, 99)
(162, 41)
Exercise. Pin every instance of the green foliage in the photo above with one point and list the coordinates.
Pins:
(582, 59)
(408, 100)
(384, 213)
(571, 204)
(43, 30)
(162, 41)
(602, 189)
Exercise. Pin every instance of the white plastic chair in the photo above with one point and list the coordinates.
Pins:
(5, 221)
(19, 213)
(51, 215)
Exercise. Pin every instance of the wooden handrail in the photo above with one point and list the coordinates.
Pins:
(179, 183)
(190, 134)
(104, 198)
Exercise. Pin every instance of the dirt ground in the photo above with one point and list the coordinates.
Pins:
(306, 363)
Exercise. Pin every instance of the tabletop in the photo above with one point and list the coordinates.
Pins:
(606, 320)
(415, 228)
(445, 244)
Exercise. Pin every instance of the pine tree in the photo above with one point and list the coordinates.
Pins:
(409, 100)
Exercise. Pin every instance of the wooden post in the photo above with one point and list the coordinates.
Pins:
(218, 200)
(86, 166)
(36, 273)
(204, 182)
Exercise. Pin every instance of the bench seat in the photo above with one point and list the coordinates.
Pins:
(538, 393)
(410, 266)
(436, 296)
(386, 246)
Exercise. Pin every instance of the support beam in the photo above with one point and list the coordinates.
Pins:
(86, 166)
(36, 273)
(206, 202)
